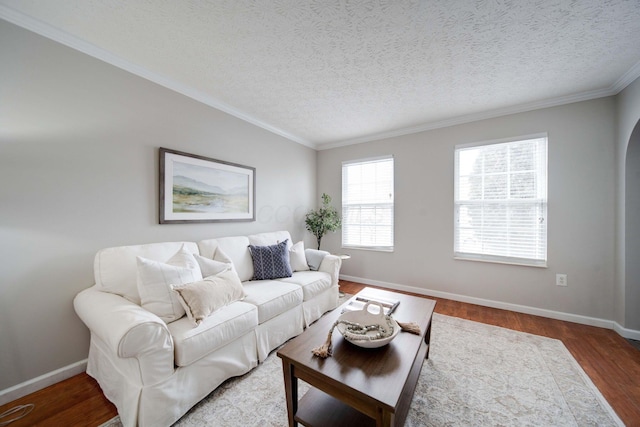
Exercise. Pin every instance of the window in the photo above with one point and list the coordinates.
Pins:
(501, 201)
(367, 204)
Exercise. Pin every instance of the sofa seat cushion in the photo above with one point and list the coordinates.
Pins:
(313, 283)
(272, 297)
(222, 327)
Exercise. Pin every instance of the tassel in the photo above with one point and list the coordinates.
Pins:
(411, 327)
(325, 349)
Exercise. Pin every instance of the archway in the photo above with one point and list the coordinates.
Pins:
(632, 231)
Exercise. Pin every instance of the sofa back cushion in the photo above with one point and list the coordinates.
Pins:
(115, 269)
(268, 239)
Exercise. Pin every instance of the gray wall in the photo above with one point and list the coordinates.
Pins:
(628, 224)
(581, 212)
(79, 171)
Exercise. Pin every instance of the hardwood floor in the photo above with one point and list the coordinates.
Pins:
(77, 401)
(610, 361)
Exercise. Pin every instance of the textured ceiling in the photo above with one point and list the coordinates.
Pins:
(327, 73)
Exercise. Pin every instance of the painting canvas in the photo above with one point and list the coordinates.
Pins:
(200, 189)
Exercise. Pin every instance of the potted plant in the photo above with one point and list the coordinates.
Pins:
(320, 221)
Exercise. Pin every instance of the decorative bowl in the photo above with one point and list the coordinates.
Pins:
(365, 318)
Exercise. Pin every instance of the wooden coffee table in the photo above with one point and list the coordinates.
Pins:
(357, 386)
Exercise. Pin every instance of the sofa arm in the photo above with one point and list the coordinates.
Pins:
(128, 331)
(331, 264)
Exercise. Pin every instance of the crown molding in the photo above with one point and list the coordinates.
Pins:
(90, 49)
(474, 117)
(627, 78)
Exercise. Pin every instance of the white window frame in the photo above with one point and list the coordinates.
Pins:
(538, 202)
(384, 200)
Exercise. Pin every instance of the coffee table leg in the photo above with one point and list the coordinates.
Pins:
(427, 339)
(291, 391)
(385, 418)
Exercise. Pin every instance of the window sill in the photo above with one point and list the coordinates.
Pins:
(364, 248)
(523, 263)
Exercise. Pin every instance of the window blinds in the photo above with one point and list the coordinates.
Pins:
(501, 202)
(367, 203)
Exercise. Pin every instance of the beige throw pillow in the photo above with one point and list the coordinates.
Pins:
(201, 299)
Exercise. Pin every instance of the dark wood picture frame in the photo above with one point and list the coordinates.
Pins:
(195, 189)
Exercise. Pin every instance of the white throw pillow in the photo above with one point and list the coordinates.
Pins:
(155, 279)
(314, 258)
(297, 259)
(203, 298)
(211, 267)
(221, 256)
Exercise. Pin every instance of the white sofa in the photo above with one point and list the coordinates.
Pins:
(154, 371)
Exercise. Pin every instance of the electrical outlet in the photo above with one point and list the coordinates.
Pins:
(561, 280)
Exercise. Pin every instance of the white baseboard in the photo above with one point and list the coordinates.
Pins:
(17, 391)
(551, 314)
(627, 333)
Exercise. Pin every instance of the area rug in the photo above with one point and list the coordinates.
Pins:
(476, 375)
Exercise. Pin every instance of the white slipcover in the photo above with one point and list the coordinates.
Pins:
(154, 372)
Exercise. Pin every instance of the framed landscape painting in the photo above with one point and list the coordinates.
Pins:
(199, 189)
